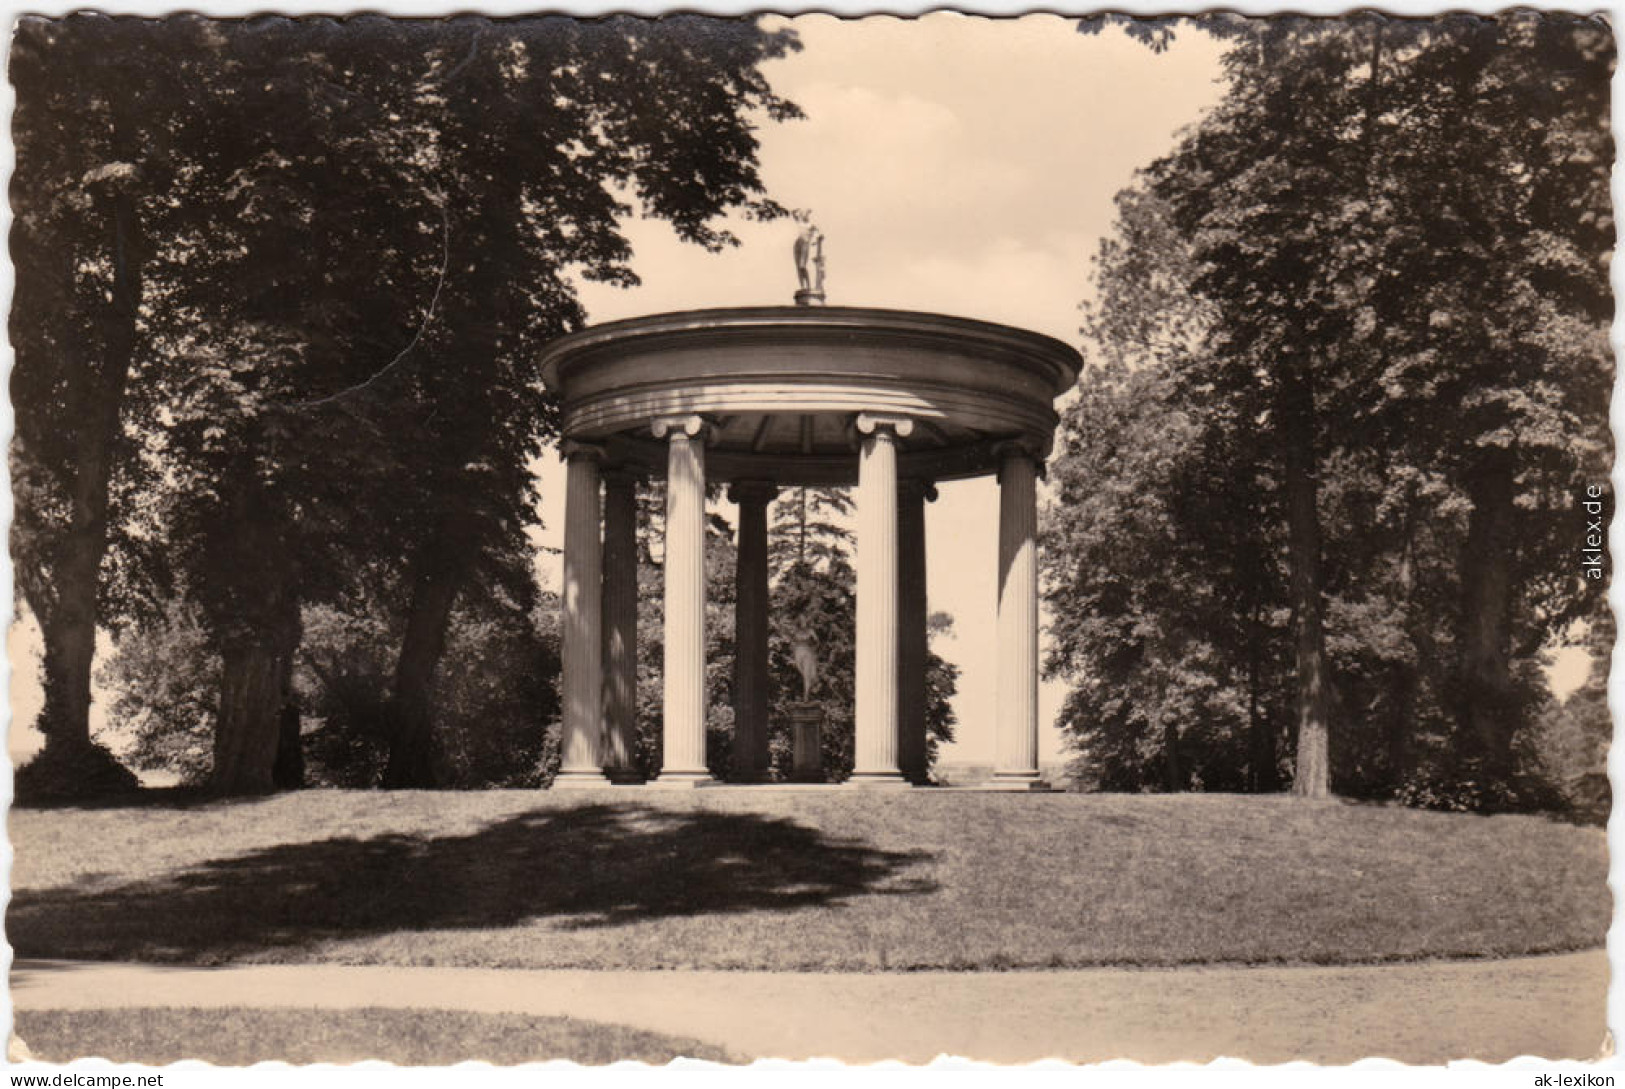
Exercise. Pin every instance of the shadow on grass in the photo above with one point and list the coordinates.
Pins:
(147, 797)
(595, 866)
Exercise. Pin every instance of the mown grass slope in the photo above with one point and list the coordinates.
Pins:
(846, 881)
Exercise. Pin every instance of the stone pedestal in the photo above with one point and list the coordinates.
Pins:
(807, 742)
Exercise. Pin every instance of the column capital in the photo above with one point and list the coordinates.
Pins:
(877, 423)
(1025, 449)
(574, 449)
(752, 491)
(918, 486)
(692, 426)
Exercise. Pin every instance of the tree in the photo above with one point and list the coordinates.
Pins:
(130, 136)
(1260, 213)
(503, 662)
(341, 340)
(274, 478)
(1309, 239)
(503, 656)
(103, 135)
(164, 678)
(941, 685)
(1571, 737)
(663, 109)
(1176, 647)
(1516, 125)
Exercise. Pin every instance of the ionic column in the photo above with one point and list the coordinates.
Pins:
(684, 706)
(750, 631)
(875, 758)
(582, 638)
(1017, 712)
(620, 623)
(913, 640)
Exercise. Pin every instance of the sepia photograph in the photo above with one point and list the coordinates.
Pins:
(692, 537)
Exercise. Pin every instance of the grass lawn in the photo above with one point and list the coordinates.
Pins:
(846, 881)
(240, 1037)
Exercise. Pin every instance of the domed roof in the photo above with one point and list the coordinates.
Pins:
(781, 387)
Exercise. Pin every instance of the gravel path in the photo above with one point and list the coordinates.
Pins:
(1551, 1007)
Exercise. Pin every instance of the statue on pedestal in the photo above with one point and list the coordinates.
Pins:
(804, 656)
(806, 717)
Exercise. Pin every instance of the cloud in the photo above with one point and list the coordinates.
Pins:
(955, 164)
(890, 165)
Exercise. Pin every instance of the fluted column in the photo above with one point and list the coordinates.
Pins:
(913, 640)
(1017, 713)
(582, 636)
(875, 758)
(684, 706)
(620, 623)
(750, 757)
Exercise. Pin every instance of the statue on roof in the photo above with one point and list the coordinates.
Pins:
(809, 251)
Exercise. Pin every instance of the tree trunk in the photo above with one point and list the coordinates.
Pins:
(1173, 774)
(414, 752)
(1261, 769)
(69, 628)
(288, 769)
(1407, 681)
(256, 676)
(801, 538)
(257, 628)
(69, 636)
(1295, 427)
(1401, 722)
(1488, 715)
(68, 625)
